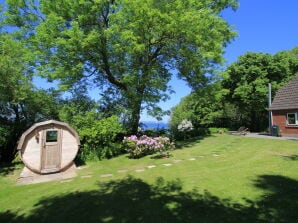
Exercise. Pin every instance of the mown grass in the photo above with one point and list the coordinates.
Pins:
(230, 179)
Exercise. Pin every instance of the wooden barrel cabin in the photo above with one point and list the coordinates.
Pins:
(49, 147)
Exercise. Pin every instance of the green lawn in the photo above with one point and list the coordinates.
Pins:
(220, 178)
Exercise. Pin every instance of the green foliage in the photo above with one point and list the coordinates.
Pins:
(241, 98)
(21, 104)
(14, 70)
(214, 130)
(4, 133)
(156, 132)
(99, 132)
(204, 108)
(98, 135)
(246, 84)
(125, 47)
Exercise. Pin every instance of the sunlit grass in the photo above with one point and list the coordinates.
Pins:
(228, 167)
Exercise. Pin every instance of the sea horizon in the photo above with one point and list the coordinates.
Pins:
(154, 125)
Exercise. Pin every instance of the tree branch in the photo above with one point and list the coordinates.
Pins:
(93, 72)
(108, 73)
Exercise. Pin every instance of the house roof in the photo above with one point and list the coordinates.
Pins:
(287, 96)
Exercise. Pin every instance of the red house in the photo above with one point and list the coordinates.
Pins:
(284, 108)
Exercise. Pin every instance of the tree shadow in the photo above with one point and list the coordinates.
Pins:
(162, 156)
(9, 168)
(79, 161)
(133, 200)
(188, 142)
(291, 157)
(281, 197)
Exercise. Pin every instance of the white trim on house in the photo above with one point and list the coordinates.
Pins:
(294, 118)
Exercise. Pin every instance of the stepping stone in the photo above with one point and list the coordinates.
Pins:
(86, 176)
(106, 175)
(215, 155)
(140, 170)
(191, 159)
(201, 156)
(82, 167)
(177, 161)
(151, 166)
(167, 164)
(65, 181)
(122, 171)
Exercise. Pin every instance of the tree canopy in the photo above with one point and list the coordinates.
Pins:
(246, 83)
(127, 49)
(21, 104)
(240, 96)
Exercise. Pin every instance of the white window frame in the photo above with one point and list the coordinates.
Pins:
(296, 118)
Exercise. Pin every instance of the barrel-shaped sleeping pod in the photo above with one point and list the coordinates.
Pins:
(49, 147)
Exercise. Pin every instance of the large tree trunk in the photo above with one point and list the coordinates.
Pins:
(135, 116)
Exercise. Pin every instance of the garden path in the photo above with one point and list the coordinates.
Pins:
(146, 168)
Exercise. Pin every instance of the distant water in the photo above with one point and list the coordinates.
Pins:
(154, 125)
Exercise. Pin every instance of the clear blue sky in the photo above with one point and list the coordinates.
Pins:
(267, 26)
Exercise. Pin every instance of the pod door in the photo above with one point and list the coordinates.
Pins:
(51, 151)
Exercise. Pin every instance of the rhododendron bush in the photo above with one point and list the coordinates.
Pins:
(145, 145)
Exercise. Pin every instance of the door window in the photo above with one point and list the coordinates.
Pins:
(52, 136)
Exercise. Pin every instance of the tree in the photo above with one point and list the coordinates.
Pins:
(246, 83)
(125, 47)
(21, 104)
(204, 108)
(294, 52)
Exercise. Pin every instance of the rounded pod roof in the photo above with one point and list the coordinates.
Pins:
(32, 154)
(44, 124)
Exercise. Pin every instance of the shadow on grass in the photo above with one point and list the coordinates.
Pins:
(133, 200)
(281, 198)
(8, 168)
(162, 156)
(79, 161)
(189, 142)
(291, 157)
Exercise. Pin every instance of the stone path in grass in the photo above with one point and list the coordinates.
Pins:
(143, 169)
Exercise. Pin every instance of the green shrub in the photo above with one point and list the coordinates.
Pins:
(4, 133)
(99, 136)
(215, 130)
(185, 135)
(156, 132)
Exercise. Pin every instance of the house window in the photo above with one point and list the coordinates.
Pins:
(292, 119)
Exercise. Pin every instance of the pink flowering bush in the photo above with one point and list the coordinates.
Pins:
(145, 145)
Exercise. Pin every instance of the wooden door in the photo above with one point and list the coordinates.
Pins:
(51, 151)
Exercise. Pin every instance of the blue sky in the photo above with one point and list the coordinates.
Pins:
(267, 26)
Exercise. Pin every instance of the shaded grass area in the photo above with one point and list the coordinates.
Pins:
(232, 179)
(133, 200)
(9, 168)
